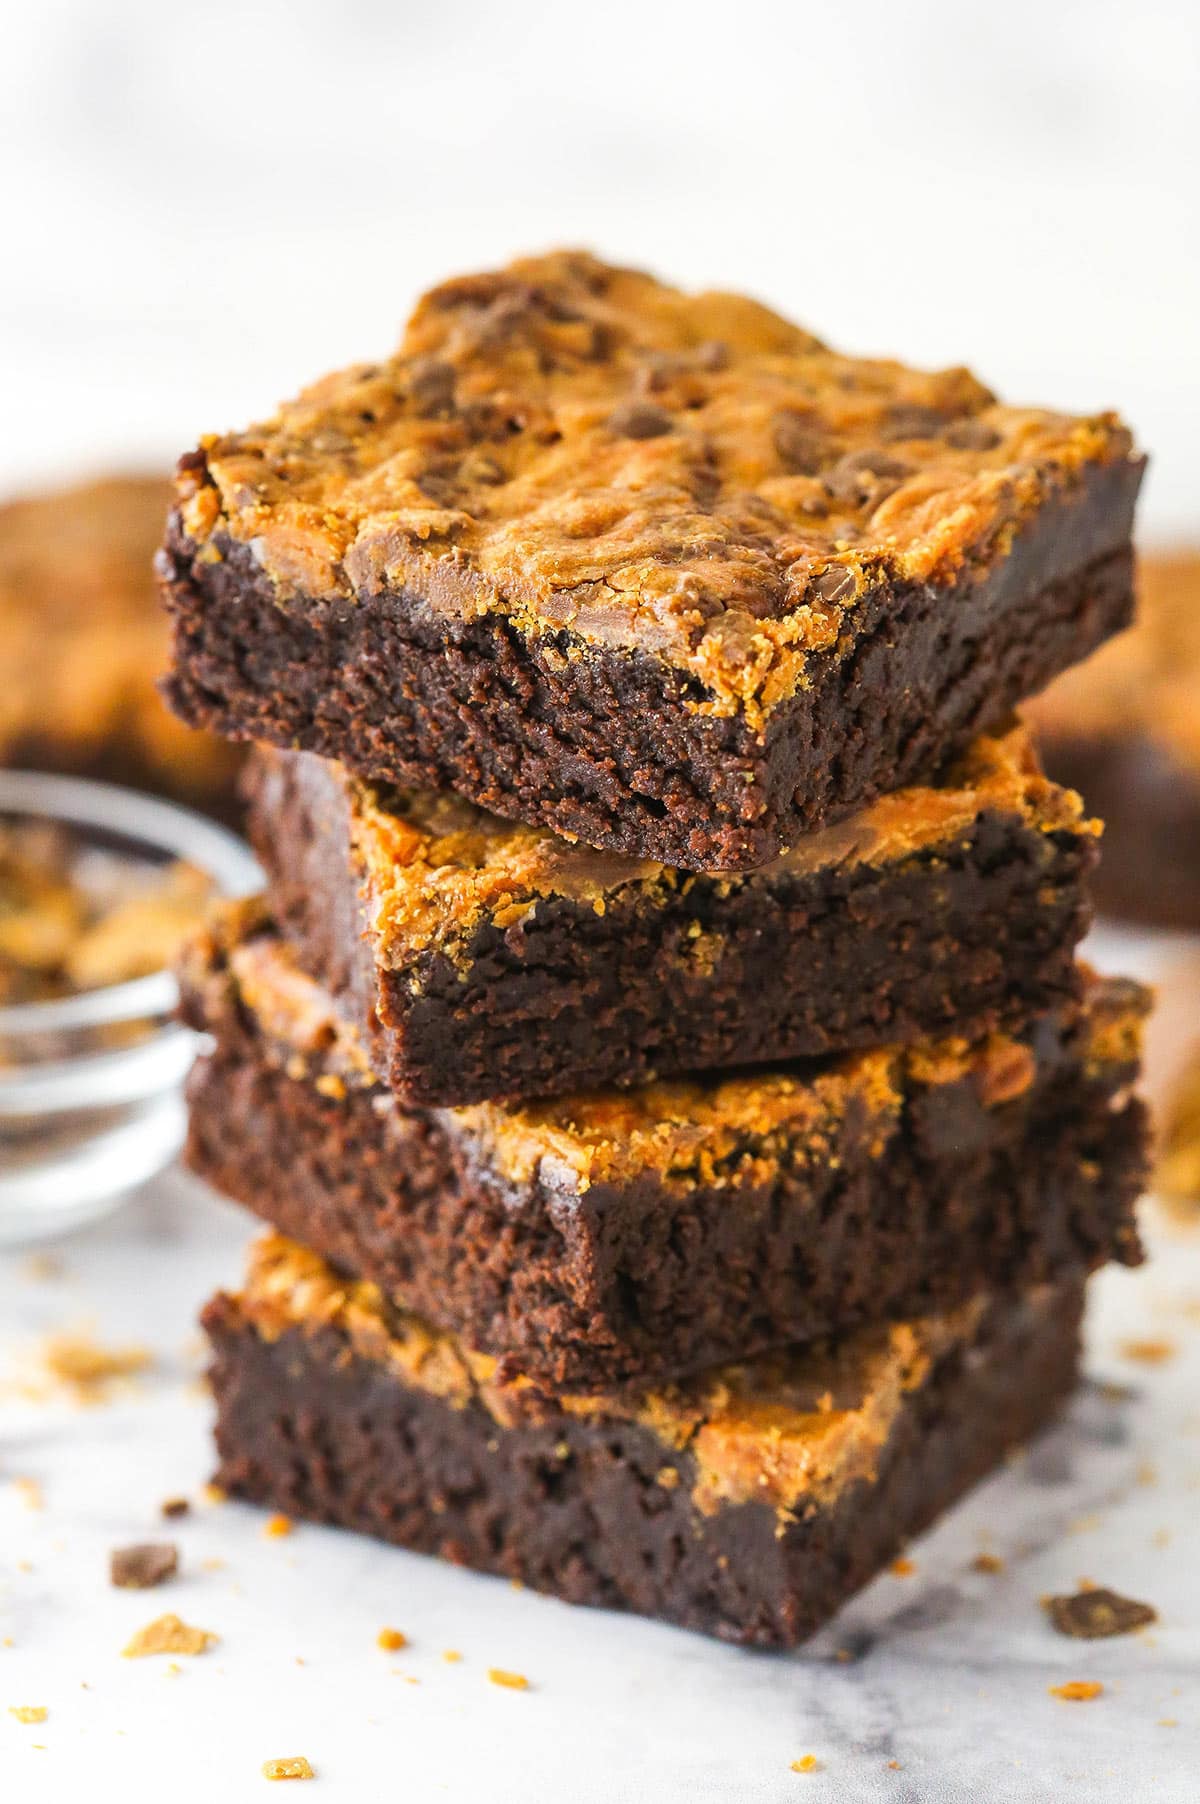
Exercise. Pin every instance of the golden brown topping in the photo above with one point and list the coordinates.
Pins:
(434, 867)
(1095, 1613)
(144, 1565)
(779, 1430)
(296, 1767)
(169, 1635)
(579, 446)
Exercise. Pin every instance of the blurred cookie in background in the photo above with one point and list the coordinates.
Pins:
(83, 642)
(1124, 729)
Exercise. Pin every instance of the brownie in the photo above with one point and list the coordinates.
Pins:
(484, 960)
(659, 571)
(1126, 726)
(618, 1234)
(83, 643)
(748, 1503)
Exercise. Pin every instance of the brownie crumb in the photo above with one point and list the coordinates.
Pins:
(171, 1507)
(511, 1681)
(1148, 1352)
(145, 1564)
(1095, 1613)
(1077, 1691)
(29, 1713)
(169, 1635)
(295, 1768)
(88, 1369)
(987, 1562)
(391, 1640)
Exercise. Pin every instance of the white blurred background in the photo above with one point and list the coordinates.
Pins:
(206, 207)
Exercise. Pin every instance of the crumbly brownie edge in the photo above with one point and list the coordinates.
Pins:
(646, 1277)
(609, 747)
(1149, 868)
(575, 999)
(578, 1508)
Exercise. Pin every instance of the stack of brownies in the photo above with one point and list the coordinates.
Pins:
(660, 1053)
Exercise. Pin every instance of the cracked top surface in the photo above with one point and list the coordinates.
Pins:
(573, 445)
(721, 1131)
(433, 867)
(784, 1429)
(83, 639)
(1145, 684)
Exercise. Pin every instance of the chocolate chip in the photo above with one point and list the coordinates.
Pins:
(908, 420)
(865, 477)
(800, 449)
(147, 1564)
(640, 419)
(1094, 1615)
(971, 435)
(431, 386)
(835, 584)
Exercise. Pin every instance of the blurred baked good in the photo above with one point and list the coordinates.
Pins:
(83, 644)
(1124, 729)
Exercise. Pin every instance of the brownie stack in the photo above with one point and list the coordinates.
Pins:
(660, 1054)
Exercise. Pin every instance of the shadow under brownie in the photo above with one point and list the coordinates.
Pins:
(482, 960)
(749, 1503)
(657, 570)
(618, 1234)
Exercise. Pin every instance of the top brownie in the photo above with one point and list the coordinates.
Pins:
(658, 570)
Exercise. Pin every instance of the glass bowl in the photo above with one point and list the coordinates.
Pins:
(91, 1084)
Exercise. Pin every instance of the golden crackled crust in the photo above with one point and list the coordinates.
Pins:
(83, 638)
(786, 1430)
(1145, 684)
(433, 867)
(723, 1131)
(573, 445)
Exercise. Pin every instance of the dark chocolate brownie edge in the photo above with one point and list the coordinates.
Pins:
(579, 1509)
(609, 746)
(573, 999)
(1149, 868)
(655, 1278)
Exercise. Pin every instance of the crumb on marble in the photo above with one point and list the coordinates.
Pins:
(29, 1713)
(30, 1492)
(277, 1526)
(172, 1507)
(1148, 1352)
(295, 1767)
(1077, 1691)
(86, 1368)
(144, 1565)
(903, 1568)
(987, 1562)
(169, 1635)
(1095, 1613)
(451, 1656)
(391, 1640)
(807, 1763)
(509, 1681)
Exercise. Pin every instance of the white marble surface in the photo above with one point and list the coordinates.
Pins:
(949, 1668)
